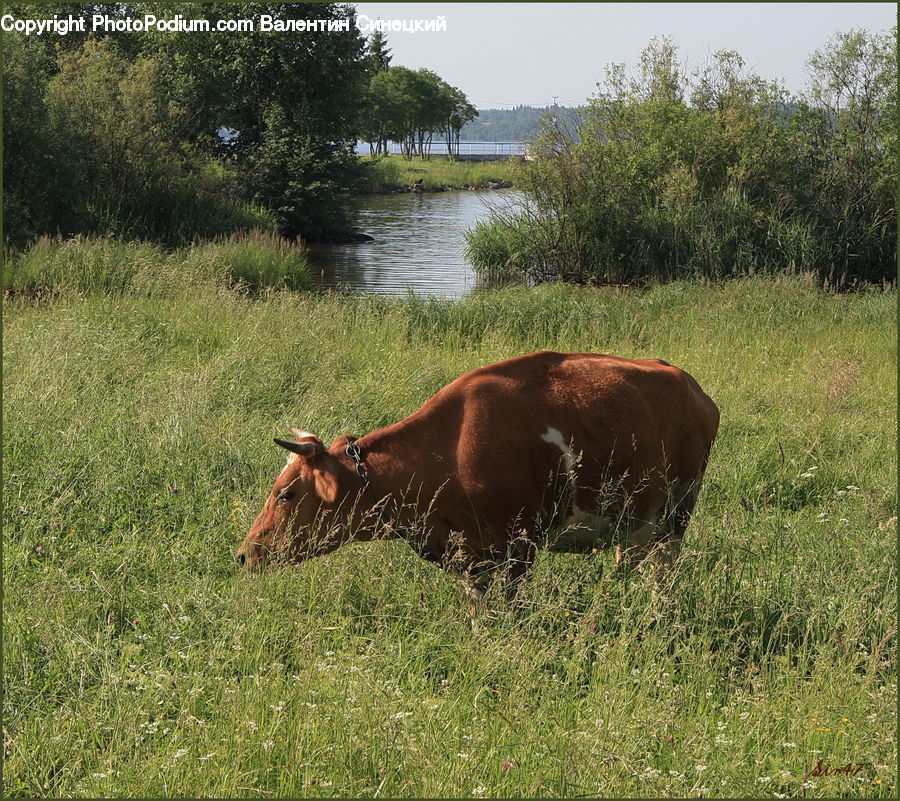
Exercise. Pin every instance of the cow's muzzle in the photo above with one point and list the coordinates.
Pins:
(250, 555)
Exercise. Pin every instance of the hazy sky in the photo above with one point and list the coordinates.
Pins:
(507, 54)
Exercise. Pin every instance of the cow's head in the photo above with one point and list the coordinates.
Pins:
(297, 519)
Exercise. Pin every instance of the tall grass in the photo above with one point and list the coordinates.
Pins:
(253, 260)
(138, 662)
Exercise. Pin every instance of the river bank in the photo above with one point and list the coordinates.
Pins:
(395, 174)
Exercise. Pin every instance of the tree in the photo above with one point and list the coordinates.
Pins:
(129, 173)
(292, 97)
(118, 133)
(378, 59)
(37, 180)
(411, 106)
(851, 111)
(378, 55)
(458, 112)
(431, 106)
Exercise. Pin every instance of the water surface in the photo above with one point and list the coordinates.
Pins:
(418, 244)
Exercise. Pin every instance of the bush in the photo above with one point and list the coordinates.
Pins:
(503, 249)
(722, 176)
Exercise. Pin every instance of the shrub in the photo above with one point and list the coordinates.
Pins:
(725, 175)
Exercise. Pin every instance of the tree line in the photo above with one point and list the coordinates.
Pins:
(120, 133)
(714, 173)
(518, 124)
(410, 106)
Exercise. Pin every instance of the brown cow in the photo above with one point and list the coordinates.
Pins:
(573, 450)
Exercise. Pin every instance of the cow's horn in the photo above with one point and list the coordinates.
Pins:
(300, 448)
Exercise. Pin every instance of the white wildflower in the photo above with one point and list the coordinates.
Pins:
(479, 790)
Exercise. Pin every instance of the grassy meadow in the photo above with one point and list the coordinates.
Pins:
(138, 418)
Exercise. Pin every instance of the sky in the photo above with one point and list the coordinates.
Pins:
(507, 54)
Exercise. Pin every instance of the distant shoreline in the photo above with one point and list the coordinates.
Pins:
(398, 175)
(401, 189)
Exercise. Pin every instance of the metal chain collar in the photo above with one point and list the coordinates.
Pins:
(356, 455)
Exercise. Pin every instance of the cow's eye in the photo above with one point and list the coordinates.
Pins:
(284, 497)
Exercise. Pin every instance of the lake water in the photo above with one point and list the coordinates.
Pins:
(418, 244)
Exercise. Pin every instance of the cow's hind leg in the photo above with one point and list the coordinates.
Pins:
(674, 524)
(635, 547)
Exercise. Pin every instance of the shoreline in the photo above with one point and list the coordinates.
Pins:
(400, 189)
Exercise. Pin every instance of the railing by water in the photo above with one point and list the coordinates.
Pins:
(474, 150)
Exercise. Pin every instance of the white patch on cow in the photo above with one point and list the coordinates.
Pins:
(301, 434)
(554, 437)
(581, 527)
(292, 457)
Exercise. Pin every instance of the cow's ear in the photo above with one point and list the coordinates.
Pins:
(300, 435)
(326, 485)
(343, 441)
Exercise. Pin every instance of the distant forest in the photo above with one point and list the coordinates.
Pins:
(522, 123)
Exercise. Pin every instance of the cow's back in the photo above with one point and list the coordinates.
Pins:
(598, 403)
(501, 444)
